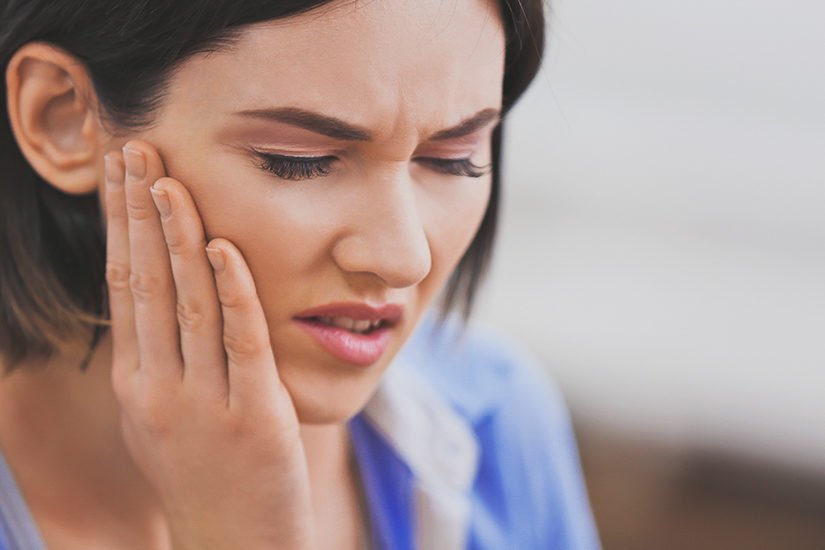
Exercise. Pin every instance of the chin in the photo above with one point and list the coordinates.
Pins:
(325, 390)
(330, 395)
(335, 410)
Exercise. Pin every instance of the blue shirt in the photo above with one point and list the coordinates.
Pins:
(464, 444)
(467, 444)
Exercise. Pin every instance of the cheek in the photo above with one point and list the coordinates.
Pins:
(454, 220)
(284, 238)
(278, 227)
(285, 230)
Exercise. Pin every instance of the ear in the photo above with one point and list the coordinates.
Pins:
(54, 118)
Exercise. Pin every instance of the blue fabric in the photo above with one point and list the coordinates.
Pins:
(529, 492)
(17, 529)
(387, 485)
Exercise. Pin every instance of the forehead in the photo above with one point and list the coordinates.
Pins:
(379, 63)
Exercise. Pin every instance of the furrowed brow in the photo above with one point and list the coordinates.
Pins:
(468, 125)
(312, 121)
(338, 129)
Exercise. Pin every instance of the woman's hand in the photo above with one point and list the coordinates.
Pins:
(204, 413)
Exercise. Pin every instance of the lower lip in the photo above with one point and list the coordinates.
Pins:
(359, 349)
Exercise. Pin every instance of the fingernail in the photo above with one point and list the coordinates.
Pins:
(135, 163)
(216, 258)
(161, 200)
(111, 170)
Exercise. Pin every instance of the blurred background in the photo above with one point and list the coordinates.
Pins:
(662, 250)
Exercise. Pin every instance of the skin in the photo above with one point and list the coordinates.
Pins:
(205, 370)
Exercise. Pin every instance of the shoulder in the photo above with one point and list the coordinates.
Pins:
(529, 472)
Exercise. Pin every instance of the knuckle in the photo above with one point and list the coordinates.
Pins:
(117, 275)
(180, 245)
(241, 346)
(175, 243)
(145, 285)
(140, 210)
(190, 317)
(233, 297)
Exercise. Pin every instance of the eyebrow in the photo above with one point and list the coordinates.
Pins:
(338, 129)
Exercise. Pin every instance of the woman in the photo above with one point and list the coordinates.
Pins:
(275, 192)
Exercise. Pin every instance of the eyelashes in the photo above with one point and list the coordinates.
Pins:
(303, 168)
(458, 167)
(295, 168)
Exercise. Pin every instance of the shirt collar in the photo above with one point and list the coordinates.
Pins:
(437, 444)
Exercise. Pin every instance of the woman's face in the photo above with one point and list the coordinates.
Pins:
(381, 219)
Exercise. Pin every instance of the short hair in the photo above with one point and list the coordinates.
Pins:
(53, 294)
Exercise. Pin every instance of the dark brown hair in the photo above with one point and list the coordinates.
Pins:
(52, 245)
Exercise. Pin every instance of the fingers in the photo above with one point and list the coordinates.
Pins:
(118, 265)
(152, 287)
(183, 318)
(198, 309)
(250, 361)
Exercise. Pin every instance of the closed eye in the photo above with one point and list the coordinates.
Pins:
(458, 167)
(302, 168)
(295, 168)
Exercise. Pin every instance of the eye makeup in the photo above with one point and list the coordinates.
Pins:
(298, 168)
(458, 167)
(294, 168)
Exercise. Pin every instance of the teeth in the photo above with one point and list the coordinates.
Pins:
(350, 324)
(360, 326)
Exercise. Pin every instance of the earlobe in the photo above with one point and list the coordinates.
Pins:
(53, 118)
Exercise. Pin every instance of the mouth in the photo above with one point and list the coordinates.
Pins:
(355, 333)
(363, 326)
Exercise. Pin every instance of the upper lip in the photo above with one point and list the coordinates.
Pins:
(390, 313)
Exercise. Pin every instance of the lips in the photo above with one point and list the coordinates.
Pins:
(362, 349)
(389, 313)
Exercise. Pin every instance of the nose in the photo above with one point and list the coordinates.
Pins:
(386, 236)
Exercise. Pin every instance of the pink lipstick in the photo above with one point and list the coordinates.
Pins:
(353, 332)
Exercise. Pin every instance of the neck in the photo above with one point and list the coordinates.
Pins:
(60, 432)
